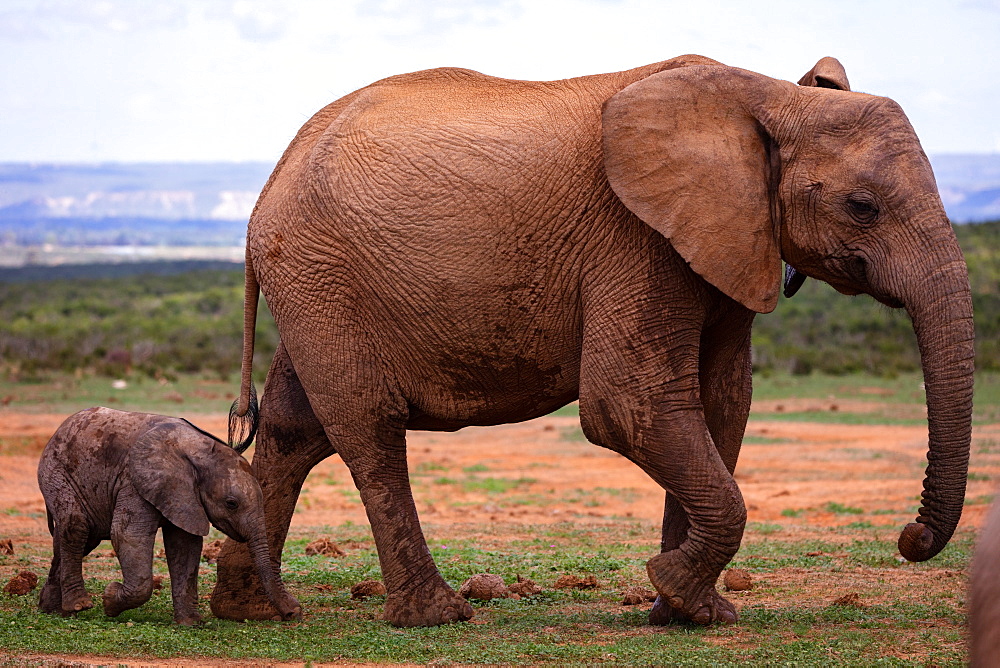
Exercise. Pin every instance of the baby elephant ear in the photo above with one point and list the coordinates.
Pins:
(166, 477)
(826, 73)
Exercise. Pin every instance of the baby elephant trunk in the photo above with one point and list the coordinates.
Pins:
(270, 577)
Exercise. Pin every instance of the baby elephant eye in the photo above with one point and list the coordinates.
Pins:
(232, 504)
(862, 209)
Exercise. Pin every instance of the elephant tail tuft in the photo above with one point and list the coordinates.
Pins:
(243, 428)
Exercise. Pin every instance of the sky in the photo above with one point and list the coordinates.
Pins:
(213, 80)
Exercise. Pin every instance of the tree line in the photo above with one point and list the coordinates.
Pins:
(162, 319)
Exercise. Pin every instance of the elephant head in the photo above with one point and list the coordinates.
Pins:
(194, 479)
(741, 171)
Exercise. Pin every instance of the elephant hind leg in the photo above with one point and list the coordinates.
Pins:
(50, 598)
(71, 543)
(417, 595)
(290, 442)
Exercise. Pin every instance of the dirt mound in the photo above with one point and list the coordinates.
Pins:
(21, 584)
(324, 547)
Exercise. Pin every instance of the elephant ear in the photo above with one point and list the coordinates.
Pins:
(164, 475)
(826, 73)
(688, 152)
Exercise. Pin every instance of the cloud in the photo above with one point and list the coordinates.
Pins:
(68, 19)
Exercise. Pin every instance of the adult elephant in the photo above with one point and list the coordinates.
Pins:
(984, 595)
(443, 249)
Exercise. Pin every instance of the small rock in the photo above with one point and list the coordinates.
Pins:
(21, 583)
(210, 553)
(157, 582)
(325, 547)
(737, 579)
(484, 587)
(525, 587)
(367, 588)
(637, 595)
(7, 546)
(573, 582)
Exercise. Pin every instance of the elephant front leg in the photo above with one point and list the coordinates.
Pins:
(726, 387)
(133, 537)
(685, 576)
(677, 451)
(183, 552)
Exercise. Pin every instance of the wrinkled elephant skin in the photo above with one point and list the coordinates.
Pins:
(108, 474)
(444, 248)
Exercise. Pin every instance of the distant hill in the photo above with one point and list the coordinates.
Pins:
(129, 204)
(180, 204)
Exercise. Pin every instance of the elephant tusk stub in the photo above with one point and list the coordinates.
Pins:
(793, 280)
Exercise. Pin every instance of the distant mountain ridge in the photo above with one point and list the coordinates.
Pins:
(209, 203)
(177, 191)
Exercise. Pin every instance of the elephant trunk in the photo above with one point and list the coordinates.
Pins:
(270, 576)
(941, 310)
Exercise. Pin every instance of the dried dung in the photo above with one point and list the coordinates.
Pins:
(484, 587)
(210, 553)
(325, 547)
(574, 582)
(21, 583)
(638, 595)
(525, 587)
(367, 588)
(737, 579)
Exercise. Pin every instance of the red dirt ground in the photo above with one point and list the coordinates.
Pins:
(542, 471)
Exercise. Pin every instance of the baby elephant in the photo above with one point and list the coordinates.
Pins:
(111, 474)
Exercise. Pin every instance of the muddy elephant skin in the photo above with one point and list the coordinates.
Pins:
(108, 474)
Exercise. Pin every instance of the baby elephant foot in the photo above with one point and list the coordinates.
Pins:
(74, 604)
(50, 600)
(117, 599)
(427, 606)
(690, 598)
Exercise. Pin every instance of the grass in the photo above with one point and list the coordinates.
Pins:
(57, 393)
(779, 625)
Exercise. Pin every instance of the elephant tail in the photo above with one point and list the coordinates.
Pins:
(244, 415)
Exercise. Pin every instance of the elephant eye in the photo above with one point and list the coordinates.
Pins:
(232, 504)
(862, 209)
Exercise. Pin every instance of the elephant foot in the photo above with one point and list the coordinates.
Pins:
(244, 604)
(690, 598)
(116, 600)
(433, 604)
(71, 605)
(50, 600)
(288, 609)
(187, 619)
(663, 615)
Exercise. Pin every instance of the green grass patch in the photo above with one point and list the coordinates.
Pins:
(841, 509)
(558, 627)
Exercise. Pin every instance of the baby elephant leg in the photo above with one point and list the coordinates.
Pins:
(183, 556)
(71, 542)
(135, 554)
(50, 599)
